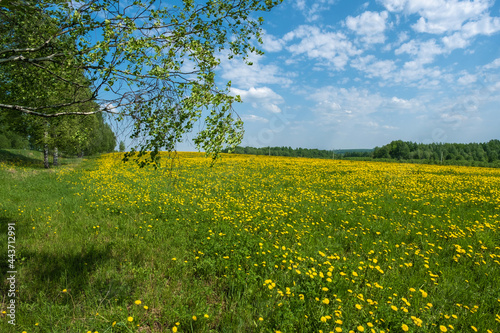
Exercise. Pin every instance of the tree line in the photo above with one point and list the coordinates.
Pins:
(474, 154)
(303, 152)
(483, 154)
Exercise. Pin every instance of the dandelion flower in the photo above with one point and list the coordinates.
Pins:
(194, 318)
(326, 301)
(130, 319)
(443, 328)
(405, 327)
(138, 302)
(174, 329)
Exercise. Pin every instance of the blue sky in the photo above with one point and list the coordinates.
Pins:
(353, 74)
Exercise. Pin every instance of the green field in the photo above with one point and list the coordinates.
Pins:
(253, 244)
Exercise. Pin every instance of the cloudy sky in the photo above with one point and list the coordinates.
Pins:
(352, 74)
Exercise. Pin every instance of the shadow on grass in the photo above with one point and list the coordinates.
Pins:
(22, 158)
(90, 271)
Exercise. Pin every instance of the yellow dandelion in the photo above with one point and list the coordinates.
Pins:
(138, 302)
(359, 307)
(174, 329)
(146, 307)
(130, 319)
(261, 319)
(473, 328)
(206, 316)
(405, 327)
(326, 301)
(361, 328)
(443, 328)
(395, 308)
(194, 318)
(338, 329)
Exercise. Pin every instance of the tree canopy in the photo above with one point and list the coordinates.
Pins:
(153, 62)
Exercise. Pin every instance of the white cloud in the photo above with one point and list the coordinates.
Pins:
(494, 64)
(245, 76)
(370, 25)
(439, 16)
(375, 68)
(254, 118)
(337, 105)
(263, 98)
(332, 47)
(424, 52)
(271, 43)
(313, 12)
(467, 79)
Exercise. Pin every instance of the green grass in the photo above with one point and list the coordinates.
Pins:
(95, 236)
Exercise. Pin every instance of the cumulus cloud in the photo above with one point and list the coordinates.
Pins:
(262, 98)
(374, 67)
(334, 48)
(246, 76)
(439, 16)
(370, 25)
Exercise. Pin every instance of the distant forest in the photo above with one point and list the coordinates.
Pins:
(471, 154)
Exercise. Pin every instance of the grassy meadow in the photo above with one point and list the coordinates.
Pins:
(253, 244)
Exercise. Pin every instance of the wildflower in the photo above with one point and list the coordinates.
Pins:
(138, 302)
(174, 329)
(443, 328)
(130, 319)
(405, 327)
(206, 316)
(194, 318)
(361, 328)
(326, 301)
(359, 307)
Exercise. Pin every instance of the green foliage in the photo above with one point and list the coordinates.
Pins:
(121, 147)
(484, 154)
(151, 61)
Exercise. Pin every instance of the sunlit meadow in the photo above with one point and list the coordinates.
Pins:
(255, 244)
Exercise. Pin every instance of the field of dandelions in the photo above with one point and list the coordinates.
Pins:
(253, 244)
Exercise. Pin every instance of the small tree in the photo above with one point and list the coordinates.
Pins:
(122, 146)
